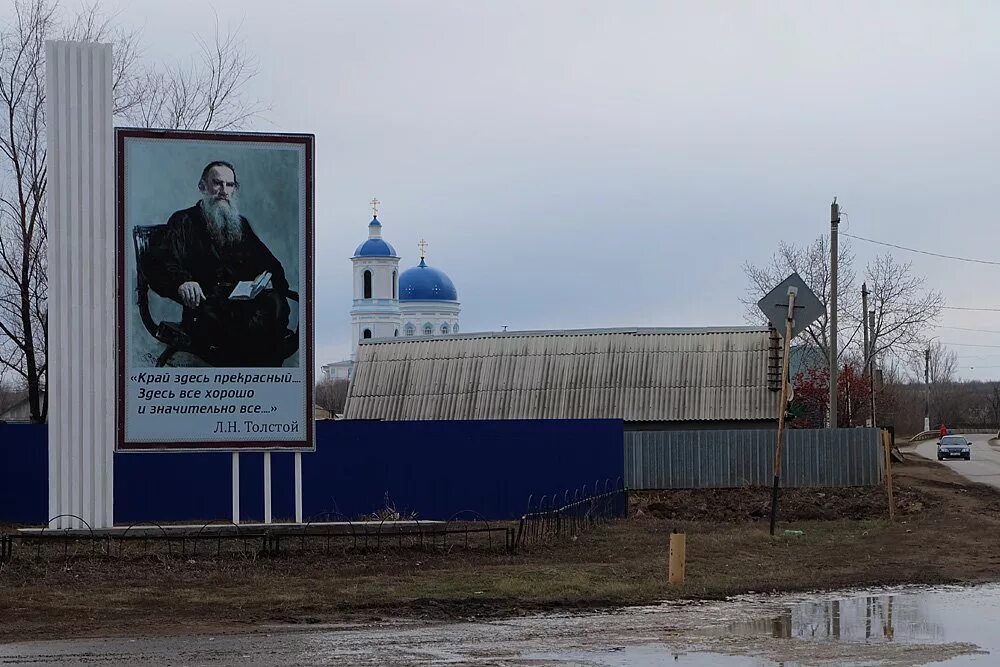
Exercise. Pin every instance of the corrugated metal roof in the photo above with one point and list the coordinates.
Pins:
(631, 374)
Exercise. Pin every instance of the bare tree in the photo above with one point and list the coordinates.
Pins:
(23, 285)
(812, 263)
(949, 400)
(9, 396)
(904, 308)
(943, 366)
(993, 403)
(332, 395)
(208, 94)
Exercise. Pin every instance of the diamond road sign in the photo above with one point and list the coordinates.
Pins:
(807, 307)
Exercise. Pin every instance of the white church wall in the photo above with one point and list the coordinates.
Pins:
(437, 314)
(380, 327)
(382, 277)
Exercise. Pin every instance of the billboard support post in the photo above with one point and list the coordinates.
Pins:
(267, 487)
(236, 488)
(298, 487)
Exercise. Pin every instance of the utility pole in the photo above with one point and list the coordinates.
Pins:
(864, 371)
(927, 389)
(834, 225)
(871, 362)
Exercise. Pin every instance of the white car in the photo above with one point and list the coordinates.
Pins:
(954, 447)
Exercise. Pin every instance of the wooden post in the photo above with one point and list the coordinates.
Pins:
(786, 346)
(887, 451)
(678, 555)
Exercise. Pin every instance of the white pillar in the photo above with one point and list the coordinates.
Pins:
(267, 487)
(236, 488)
(81, 261)
(298, 487)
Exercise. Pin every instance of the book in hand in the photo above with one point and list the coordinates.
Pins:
(249, 289)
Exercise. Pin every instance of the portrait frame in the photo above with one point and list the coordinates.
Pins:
(278, 416)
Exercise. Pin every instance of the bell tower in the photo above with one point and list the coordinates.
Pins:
(375, 310)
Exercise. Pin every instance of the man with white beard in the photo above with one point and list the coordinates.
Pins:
(206, 251)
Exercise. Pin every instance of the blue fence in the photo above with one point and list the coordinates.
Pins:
(432, 469)
(24, 473)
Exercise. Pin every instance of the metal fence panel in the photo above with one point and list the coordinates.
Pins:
(736, 458)
(432, 469)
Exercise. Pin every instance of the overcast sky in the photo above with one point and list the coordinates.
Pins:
(609, 164)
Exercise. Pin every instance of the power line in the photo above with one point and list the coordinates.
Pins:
(942, 256)
(968, 344)
(941, 326)
(987, 310)
(923, 252)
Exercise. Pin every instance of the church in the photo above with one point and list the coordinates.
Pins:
(411, 362)
(420, 301)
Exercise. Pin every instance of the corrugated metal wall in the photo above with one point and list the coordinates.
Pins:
(630, 374)
(724, 459)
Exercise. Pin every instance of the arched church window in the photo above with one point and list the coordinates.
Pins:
(410, 329)
(395, 333)
(444, 328)
(368, 284)
(367, 333)
(454, 329)
(394, 295)
(428, 329)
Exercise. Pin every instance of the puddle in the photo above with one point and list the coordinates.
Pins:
(903, 627)
(641, 656)
(937, 616)
(869, 619)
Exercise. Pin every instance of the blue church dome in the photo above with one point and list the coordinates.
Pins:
(375, 246)
(424, 283)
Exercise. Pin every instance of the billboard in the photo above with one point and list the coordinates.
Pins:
(215, 293)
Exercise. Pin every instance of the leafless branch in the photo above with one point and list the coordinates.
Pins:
(812, 263)
(208, 93)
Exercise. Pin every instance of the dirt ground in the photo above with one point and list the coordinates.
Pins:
(947, 530)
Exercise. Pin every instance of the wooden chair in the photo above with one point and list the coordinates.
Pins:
(172, 334)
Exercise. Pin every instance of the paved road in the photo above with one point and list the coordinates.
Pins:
(984, 466)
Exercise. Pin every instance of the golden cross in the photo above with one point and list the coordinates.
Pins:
(423, 248)
(374, 202)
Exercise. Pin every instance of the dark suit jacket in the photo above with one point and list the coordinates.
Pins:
(187, 252)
